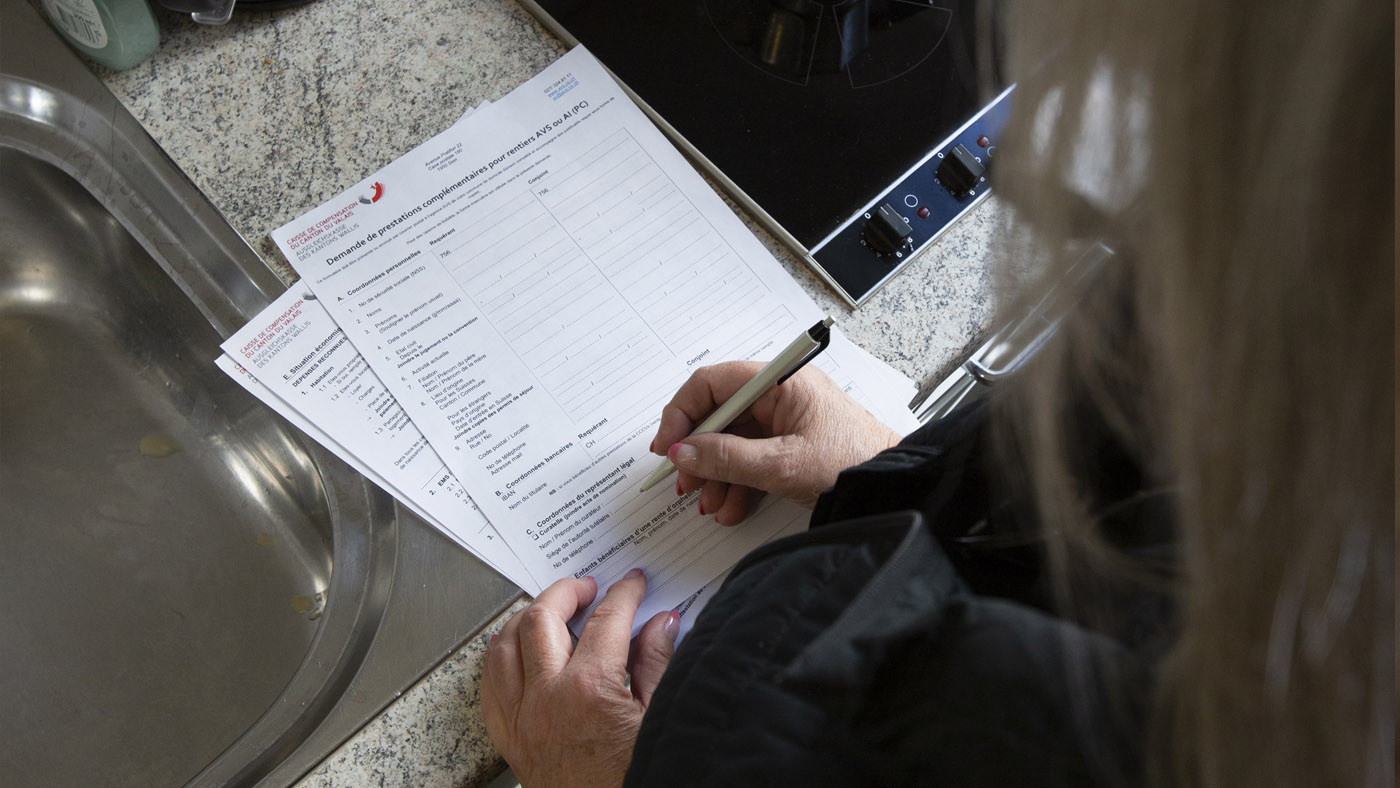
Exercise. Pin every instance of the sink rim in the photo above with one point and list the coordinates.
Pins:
(103, 148)
(439, 597)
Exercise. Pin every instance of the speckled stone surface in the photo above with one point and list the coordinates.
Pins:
(275, 113)
(432, 736)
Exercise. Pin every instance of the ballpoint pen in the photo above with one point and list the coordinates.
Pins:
(795, 356)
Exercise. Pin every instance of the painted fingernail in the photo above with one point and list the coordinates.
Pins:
(634, 572)
(494, 638)
(652, 448)
(681, 454)
(672, 626)
(701, 506)
(592, 579)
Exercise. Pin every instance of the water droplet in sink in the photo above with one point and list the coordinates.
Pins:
(157, 445)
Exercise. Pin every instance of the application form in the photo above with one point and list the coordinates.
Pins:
(533, 285)
(296, 359)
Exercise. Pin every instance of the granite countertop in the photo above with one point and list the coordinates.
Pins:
(275, 113)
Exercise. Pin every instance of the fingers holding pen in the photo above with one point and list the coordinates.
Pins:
(737, 505)
(729, 503)
(706, 389)
(711, 496)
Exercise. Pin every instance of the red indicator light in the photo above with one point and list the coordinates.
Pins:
(983, 142)
(923, 212)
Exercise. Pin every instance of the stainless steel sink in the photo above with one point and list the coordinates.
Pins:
(191, 591)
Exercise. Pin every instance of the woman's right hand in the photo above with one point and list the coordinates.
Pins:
(793, 442)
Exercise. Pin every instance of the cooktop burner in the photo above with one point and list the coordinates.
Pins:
(854, 129)
(836, 41)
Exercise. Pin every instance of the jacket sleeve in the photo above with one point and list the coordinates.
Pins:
(855, 655)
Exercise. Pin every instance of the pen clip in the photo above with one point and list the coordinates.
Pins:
(823, 339)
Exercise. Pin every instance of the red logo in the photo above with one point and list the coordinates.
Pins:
(374, 197)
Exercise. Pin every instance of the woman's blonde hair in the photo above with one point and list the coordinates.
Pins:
(1239, 157)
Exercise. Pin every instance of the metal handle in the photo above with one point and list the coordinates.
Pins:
(989, 375)
(1021, 340)
(1030, 333)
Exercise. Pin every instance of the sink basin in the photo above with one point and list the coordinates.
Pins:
(191, 591)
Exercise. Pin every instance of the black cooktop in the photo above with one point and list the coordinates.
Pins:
(809, 109)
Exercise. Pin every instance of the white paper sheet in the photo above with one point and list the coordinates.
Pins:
(298, 356)
(252, 386)
(533, 285)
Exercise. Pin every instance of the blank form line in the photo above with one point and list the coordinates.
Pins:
(528, 312)
(498, 262)
(647, 401)
(583, 364)
(634, 195)
(700, 329)
(669, 265)
(613, 375)
(668, 302)
(481, 274)
(598, 153)
(713, 296)
(622, 179)
(662, 185)
(594, 172)
(651, 224)
(635, 343)
(653, 551)
(764, 325)
(679, 231)
(560, 317)
(692, 273)
(490, 225)
(547, 270)
(605, 373)
(670, 570)
(692, 541)
(545, 329)
(630, 262)
(609, 221)
(540, 294)
(540, 272)
(569, 353)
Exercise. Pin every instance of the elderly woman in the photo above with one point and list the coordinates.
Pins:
(1164, 555)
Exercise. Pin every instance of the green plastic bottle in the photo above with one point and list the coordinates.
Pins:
(116, 33)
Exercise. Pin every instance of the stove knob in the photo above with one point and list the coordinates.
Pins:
(887, 232)
(960, 171)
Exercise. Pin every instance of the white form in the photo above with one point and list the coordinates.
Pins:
(302, 364)
(301, 422)
(533, 285)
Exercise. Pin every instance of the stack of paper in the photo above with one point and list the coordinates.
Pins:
(489, 327)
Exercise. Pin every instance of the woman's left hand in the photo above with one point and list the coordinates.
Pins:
(564, 716)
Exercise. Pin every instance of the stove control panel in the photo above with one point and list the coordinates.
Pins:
(886, 232)
(960, 171)
(873, 245)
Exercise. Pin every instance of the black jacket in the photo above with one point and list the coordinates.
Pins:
(909, 637)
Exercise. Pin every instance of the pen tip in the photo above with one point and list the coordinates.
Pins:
(828, 322)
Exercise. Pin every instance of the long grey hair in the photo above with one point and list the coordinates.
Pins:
(1240, 158)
